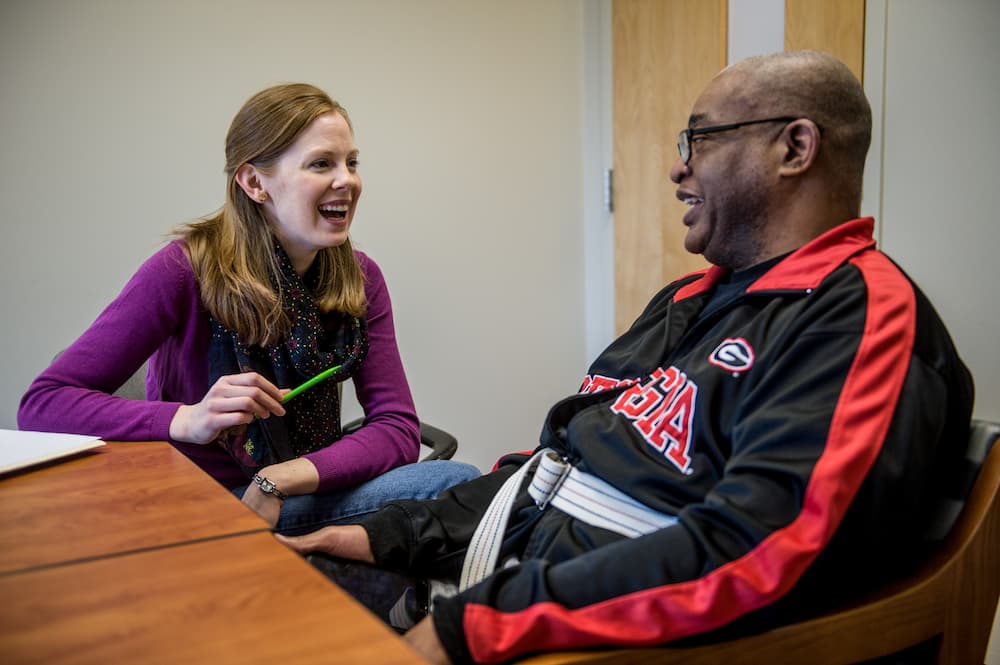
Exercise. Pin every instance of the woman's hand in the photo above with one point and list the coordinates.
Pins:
(347, 542)
(268, 506)
(234, 400)
(297, 476)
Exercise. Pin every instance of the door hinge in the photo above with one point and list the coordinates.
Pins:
(609, 190)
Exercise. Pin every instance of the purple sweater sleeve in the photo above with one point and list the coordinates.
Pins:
(390, 436)
(159, 316)
(73, 394)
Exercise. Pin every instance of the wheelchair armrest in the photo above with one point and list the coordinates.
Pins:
(442, 444)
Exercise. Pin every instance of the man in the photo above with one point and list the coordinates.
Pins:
(766, 435)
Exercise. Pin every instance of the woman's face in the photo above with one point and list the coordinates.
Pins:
(313, 190)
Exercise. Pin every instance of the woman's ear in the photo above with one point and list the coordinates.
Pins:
(249, 180)
(800, 142)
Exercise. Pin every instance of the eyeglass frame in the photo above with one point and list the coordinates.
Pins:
(684, 138)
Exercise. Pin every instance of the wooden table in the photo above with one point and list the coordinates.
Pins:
(131, 554)
(118, 498)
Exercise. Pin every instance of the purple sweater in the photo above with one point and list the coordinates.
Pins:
(159, 315)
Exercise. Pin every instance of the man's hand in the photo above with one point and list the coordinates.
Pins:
(424, 640)
(347, 542)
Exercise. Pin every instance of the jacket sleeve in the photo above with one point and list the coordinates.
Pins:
(430, 538)
(74, 394)
(390, 436)
(803, 442)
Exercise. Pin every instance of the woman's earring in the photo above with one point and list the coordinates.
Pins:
(262, 197)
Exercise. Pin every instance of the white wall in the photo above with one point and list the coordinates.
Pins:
(755, 28)
(470, 121)
(941, 157)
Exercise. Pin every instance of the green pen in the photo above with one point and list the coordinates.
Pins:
(322, 376)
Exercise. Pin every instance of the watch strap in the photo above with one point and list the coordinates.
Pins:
(267, 486)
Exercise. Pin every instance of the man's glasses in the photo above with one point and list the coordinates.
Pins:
(684, 139)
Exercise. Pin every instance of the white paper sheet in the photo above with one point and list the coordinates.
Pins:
(20, 449)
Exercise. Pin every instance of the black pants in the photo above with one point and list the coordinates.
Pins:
(378, 589)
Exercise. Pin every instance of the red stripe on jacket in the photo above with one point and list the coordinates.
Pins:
(860, 422)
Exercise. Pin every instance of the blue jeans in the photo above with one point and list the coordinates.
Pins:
(422, 480)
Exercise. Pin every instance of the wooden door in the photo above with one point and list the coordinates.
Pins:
(663, 53)
(834, 26)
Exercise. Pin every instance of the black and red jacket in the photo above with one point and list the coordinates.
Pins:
(796, 424)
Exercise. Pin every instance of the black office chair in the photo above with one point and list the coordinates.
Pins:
(442, 444)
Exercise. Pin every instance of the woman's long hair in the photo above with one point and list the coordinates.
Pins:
(232, 251)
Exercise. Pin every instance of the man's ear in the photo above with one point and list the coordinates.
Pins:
(249, 179)
(800, 142)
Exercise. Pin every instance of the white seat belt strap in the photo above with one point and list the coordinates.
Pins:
(596, 502)
(579, 494)
(484, 548)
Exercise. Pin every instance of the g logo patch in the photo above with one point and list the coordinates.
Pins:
(734, 355)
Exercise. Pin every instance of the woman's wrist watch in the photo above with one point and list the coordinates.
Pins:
(267, 486)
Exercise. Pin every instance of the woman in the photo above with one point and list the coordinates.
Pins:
(243, 306)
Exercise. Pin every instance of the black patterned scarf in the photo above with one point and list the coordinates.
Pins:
(317, 341)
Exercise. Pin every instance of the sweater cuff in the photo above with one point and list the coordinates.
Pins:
(160, 419)
(389, 536)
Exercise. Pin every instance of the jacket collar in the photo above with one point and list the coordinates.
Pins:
(804, 268)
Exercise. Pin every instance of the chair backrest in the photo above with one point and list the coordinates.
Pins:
(135, 386)
(982, 435)
(949, 603)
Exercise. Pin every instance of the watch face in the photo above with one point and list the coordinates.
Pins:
(268, 486)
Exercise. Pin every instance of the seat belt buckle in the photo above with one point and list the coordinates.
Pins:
(551, 473)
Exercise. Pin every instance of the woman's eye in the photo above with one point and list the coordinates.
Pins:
(352, 164)
(320, 164)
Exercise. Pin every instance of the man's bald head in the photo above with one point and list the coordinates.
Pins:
(814, 85)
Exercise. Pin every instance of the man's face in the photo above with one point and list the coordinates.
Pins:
(725, 181)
